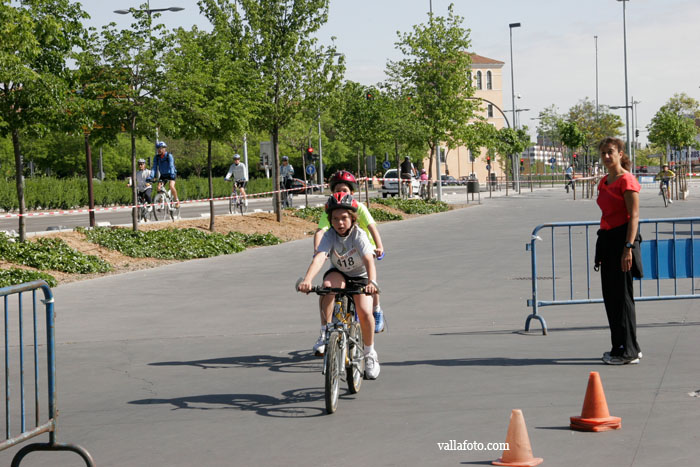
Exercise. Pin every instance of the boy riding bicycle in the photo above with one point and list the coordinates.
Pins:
(665, 176)
(240, 176)
(343, 181)
(164, 163)
(352, 257)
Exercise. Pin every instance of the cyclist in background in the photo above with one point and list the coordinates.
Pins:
(666, 175)
(143, 185)
(164, 164)
(407, 173)
(352, 259)
(569, 174)
(423, 182)
(345, 182)
(286, 173)
(240, 176)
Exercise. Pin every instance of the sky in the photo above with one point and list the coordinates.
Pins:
(554, 53)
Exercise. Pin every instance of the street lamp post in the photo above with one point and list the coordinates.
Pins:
(596, 77)
(624, 37)
(512, 89)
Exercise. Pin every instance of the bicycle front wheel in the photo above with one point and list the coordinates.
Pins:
(174, 210)
(355, 369)
(231, 203)
(334, 355)
(242, 206)
(160, 207)
(664, 195)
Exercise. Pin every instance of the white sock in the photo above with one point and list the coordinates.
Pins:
(369, 349)
(323, 330)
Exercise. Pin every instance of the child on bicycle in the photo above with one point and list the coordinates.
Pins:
(352, 259)
(240, 175)
(343, 181)
(143, 185)
(423, 183)
(665, 176)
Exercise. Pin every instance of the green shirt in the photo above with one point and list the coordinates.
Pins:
(364, 220)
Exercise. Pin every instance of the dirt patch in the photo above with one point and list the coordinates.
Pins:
(291, 228)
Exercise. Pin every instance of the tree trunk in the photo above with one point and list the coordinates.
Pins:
(211, 187)
(134, 190)
(88, 173)
(19, 178)
(276, 174)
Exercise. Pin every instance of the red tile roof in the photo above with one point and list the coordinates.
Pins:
(484, 60)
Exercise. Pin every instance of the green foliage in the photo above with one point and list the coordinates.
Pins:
(594, 128)
(380, 215)
(435, 73)
(310, 214)
(16, 276)
(414, 206)
(71, 193)
(50, 253)
(674, 123)
(175, 243)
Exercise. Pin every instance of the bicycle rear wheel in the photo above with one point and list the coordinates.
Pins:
(160, 207)
(334, 363)
(355, 370)
(664, 195)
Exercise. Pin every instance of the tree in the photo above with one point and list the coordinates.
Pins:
(669, 128)
(37, 38)
(282, 50)
(594, 129)
(400, 123)
(570, 135)
(510, 141)
(210, 92)
(548, 126)
(435, 73)
(132, 78)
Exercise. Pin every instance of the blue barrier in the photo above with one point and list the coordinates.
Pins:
(666, 255)
(40, 426)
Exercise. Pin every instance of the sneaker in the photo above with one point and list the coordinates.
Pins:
(379, 323)
(320, 346)
(606, 356)
(621, 361)
(670, 201)
(371, 366)
(245, 203)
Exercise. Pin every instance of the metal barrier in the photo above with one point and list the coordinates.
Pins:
(49, 426)
(667, 254)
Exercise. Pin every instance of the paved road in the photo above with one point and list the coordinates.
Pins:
(207, 362)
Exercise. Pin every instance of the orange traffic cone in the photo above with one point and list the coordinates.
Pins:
(595, 415)
(519, 451)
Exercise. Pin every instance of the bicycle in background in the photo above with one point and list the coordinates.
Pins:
(236, 201)
(344, 357)
(163, 204)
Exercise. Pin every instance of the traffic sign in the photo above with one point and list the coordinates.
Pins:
(552, 160)
(488, 166)
(386, 165)
(310, 169)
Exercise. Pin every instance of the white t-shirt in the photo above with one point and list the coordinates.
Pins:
(346, 253)
(239, 172)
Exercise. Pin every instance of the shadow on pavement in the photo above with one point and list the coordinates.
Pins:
(294, 362)
(268, 406)
(538, 331)
(496, 361)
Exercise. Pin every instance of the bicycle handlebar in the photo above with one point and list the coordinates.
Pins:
(319, 290)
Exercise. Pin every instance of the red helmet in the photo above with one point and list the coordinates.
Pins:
(346, 177)
(341, 200)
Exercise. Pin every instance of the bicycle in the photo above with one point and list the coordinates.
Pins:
(145, 211)
(404, 185)
(344, 345)
(163, 205)
(286, 196)
(424, 191)
(236, 201)
(663, 186)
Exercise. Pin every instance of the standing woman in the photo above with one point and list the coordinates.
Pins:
(617, 250)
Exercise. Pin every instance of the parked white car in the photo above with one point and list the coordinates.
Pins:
(391, 187)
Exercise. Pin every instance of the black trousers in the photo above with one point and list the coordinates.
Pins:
(618, 294)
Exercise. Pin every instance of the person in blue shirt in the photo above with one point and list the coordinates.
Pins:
(164, 163)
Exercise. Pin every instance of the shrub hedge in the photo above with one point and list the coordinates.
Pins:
(71, 193)
(414, 206)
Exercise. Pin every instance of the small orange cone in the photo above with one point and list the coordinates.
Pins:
(519, 452)
(595, 415)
